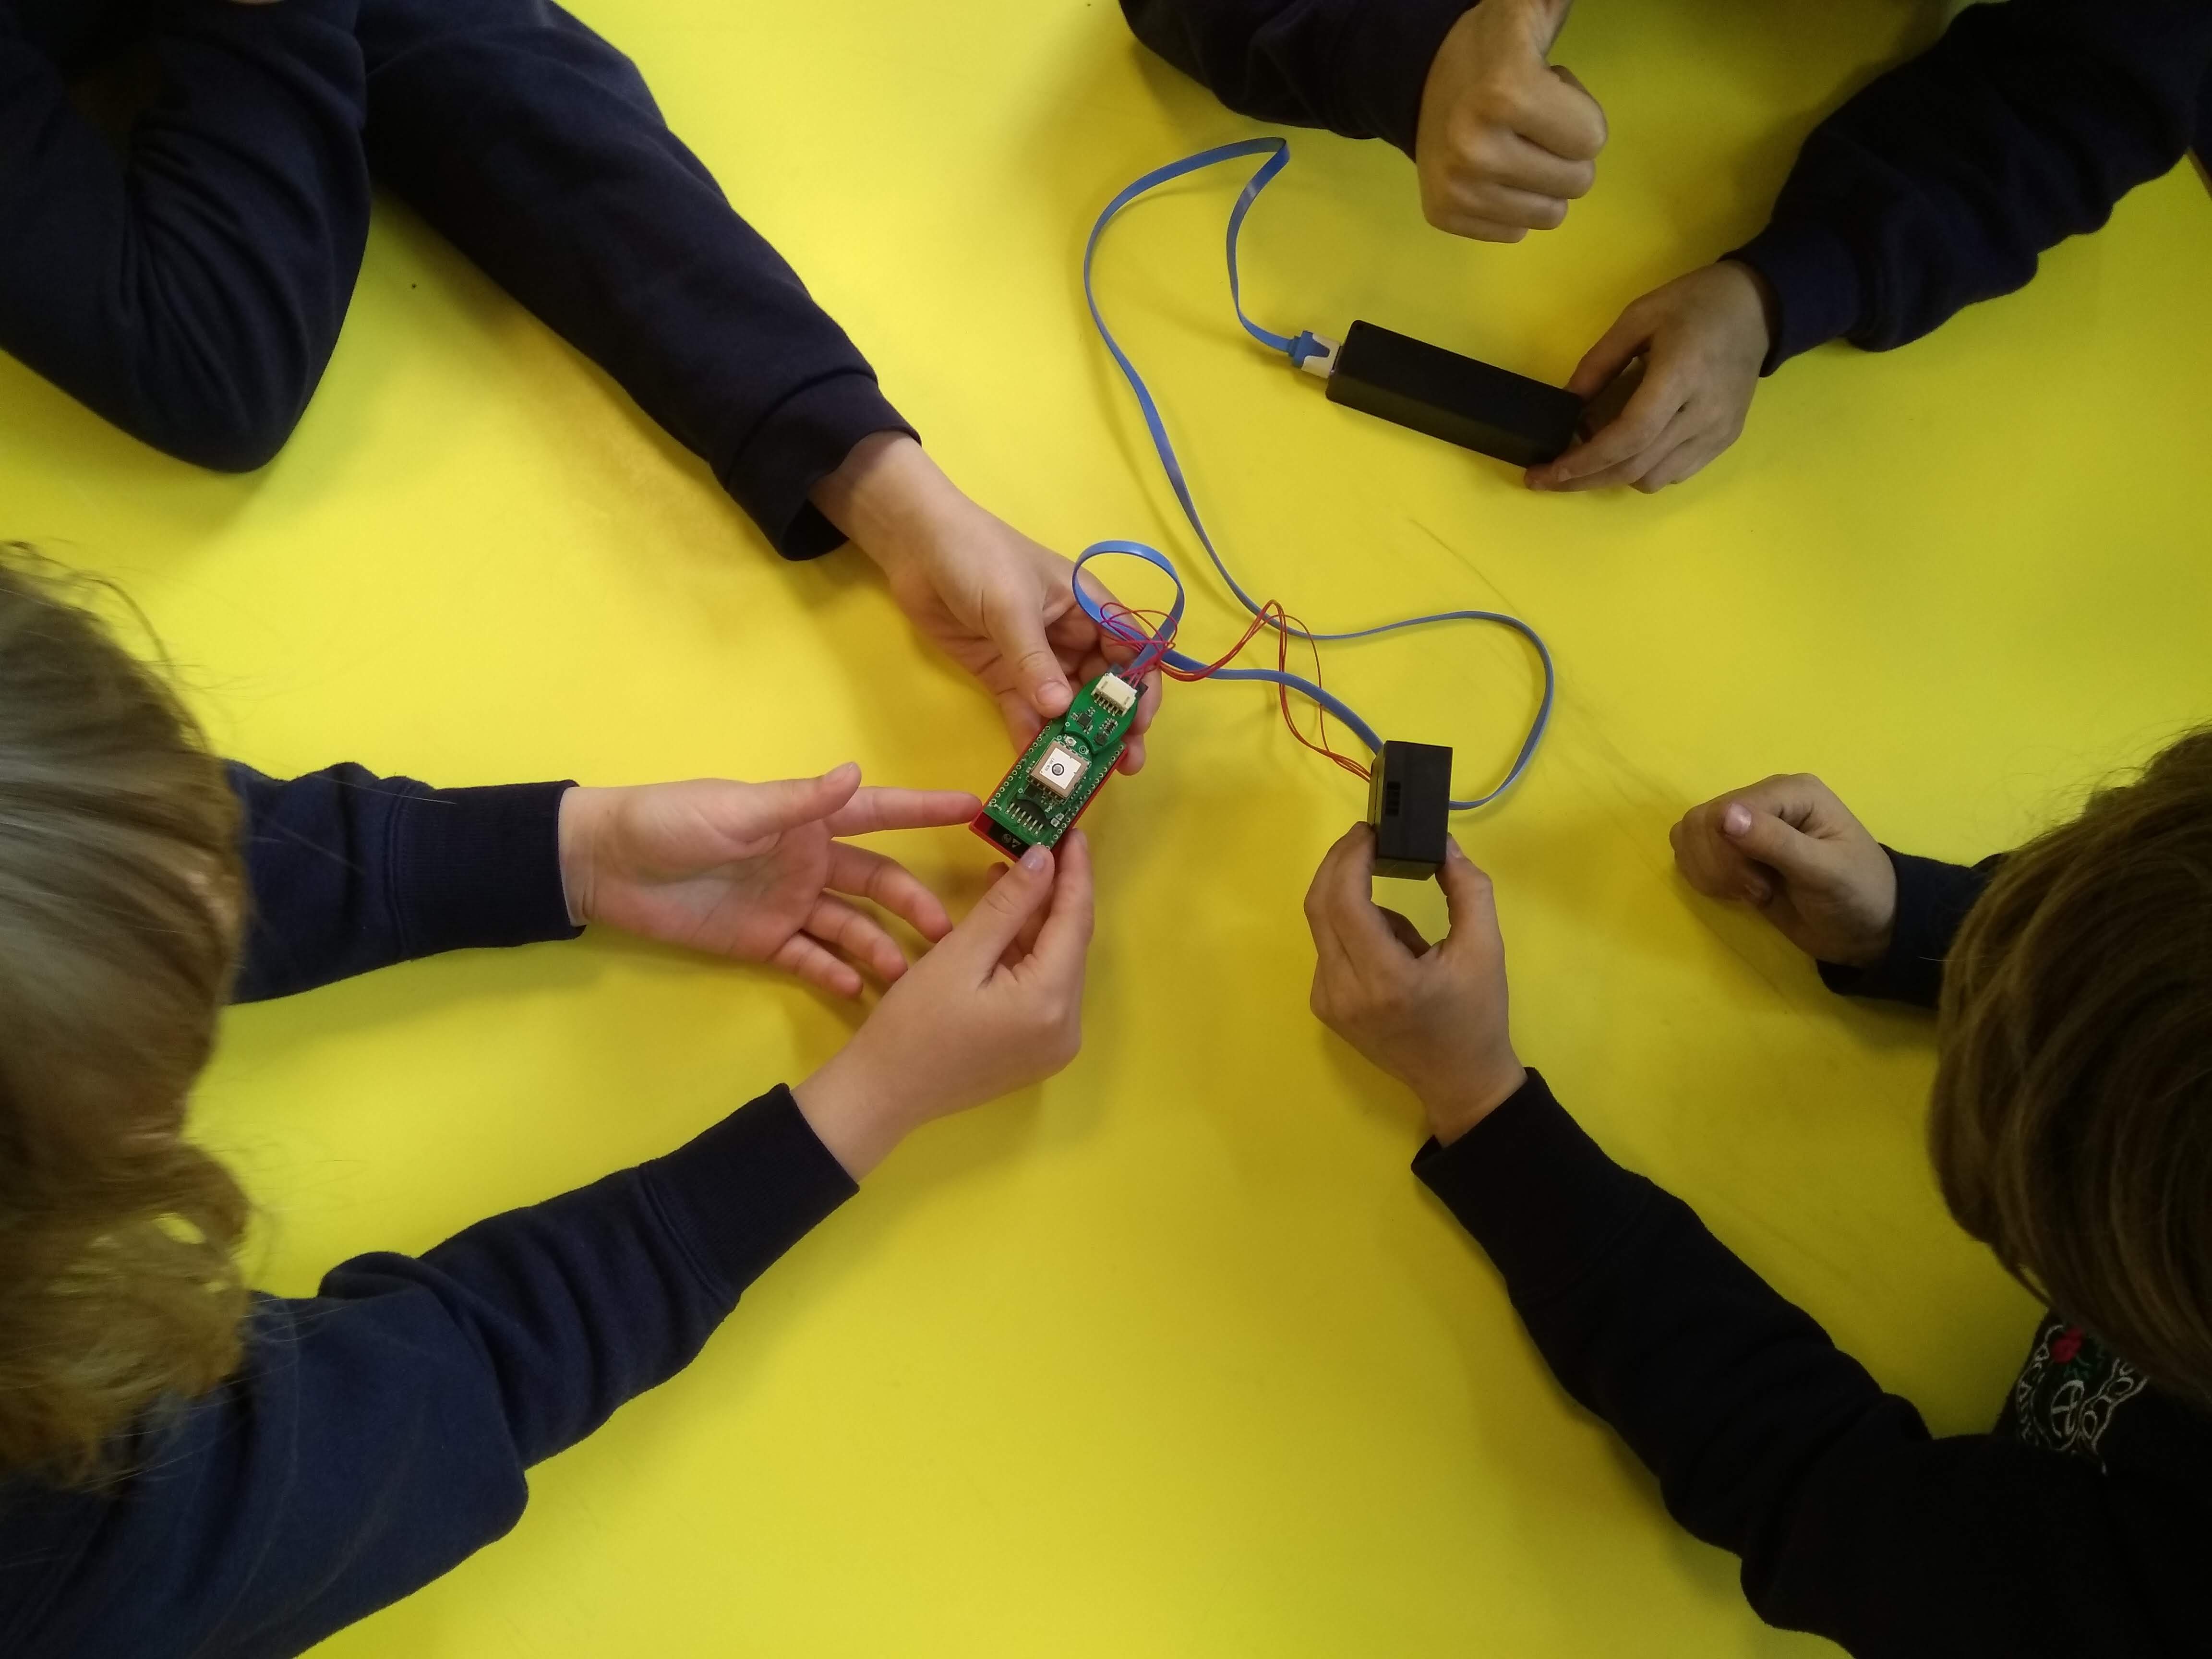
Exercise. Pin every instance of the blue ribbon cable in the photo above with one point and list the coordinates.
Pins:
(1297, 350)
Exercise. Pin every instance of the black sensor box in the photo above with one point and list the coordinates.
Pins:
(1409, 802)
(1477, 405)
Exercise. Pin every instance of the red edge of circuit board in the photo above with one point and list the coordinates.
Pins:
(982, 824)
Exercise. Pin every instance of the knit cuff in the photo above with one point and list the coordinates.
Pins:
(750, 1188)
(1932, 901)
(1817, 296)
(1539, 1196)
(800, 443)
(480, 867)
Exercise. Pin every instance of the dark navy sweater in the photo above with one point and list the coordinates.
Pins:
(190, 283)
(2079, 1529)
(1937, 186)
(378, 1432)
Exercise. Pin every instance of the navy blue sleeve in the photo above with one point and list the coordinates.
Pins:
(347, 871)
(189, 288)
(1356, 67)
(379, 1432)
(1933, 899)
(1852, 1522)
(1943, 181)
(536, 147)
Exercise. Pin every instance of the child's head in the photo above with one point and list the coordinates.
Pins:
(119, 895)
(2073, 1112)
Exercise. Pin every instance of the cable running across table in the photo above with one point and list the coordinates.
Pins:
(1156, 648)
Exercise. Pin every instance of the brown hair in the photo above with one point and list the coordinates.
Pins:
(119, 892)
(2072, 1129)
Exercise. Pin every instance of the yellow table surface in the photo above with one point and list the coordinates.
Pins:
(1172, 1356)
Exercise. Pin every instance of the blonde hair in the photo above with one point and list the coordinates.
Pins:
(121, 886)
(2072, 1128)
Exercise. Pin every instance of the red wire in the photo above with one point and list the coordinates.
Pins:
(1155, 645)
(1321, 714)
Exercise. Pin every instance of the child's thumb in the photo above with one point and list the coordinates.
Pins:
(998, 919)
(1773, 843)
(1542, 22)
(1018, 632)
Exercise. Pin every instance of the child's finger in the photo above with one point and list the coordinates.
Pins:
(801, 955)
(1063, 942)
(1016, 624)
(997, 920)
(1619, 453)
(1025, 941)
(1616, 349)
(1344, 890)
(757, 809)
(1148, 708)
(902, 809)
(1686, 459)
(1013, 953)
(862, 938)
(1769, 839)
(1102, 652)
(1073, 622)
(1022, 722)
(1405, 933)
(1527, 167)
(1709, 864)
(1562, 116)
(884, 881)
(1331, 960)
(1800, 800)
(1480, 230)
(1468, 902)
(1502, 200)
(1590, 467)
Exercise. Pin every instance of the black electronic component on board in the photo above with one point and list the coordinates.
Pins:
(1477, 405)
(1409, 802)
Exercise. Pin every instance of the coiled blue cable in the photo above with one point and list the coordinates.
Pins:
(1297, 348)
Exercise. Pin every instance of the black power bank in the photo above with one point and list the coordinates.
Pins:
(1489, 410)
(1409, 804)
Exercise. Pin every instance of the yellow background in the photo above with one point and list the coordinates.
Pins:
(1172, 1356)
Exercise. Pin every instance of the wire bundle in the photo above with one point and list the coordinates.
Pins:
(1153, 645)
(1155, 648)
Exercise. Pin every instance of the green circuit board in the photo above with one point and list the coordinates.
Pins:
(1041, 798)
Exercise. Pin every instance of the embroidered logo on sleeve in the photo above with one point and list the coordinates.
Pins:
(2068, 1391)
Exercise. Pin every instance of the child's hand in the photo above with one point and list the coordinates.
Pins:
(997, 602)
(1793, 852)
(996, 1006)
(1504, 139)
(1434, 1018)
(750, 870)
(1702, 339)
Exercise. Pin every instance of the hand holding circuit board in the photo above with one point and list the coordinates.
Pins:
(1409, 784)
(1061, 770)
